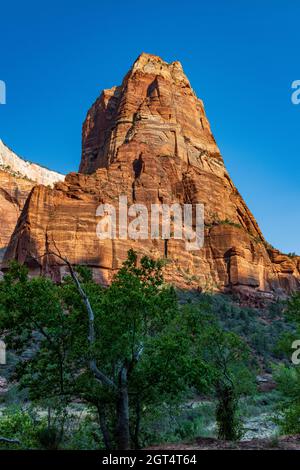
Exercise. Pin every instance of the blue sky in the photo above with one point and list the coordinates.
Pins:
(240, 56)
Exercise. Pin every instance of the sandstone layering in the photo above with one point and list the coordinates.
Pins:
(149, 139)
(17, 178)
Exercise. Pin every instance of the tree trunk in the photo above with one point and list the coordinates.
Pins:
(103, 427)
(137, 424)
(122, 406)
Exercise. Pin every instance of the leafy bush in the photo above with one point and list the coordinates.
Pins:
(260, 328)
(292, 254)
(288, 409)
(85, 436)
(22, 425)
(49, 437)
(288, 376)
(178, 423)
(228, 419)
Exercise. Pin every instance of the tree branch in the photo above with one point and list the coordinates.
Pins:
(98, 374)
(9, 441)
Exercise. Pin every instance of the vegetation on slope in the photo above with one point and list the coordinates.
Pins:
(130, 366)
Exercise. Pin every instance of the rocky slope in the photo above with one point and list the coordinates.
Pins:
(17, 178)
(149, 139)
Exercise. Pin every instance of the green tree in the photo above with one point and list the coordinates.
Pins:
(221, 366)
(118, 348)
(126, 349)
(287, 375)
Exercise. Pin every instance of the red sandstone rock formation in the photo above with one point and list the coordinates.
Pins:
(13, 194)
(149, 139)
(17, 178)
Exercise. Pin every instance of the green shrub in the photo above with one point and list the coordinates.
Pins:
(261, 328)
(228, 419)
(49, 438)
(85, 436)
(292, 254)
(288, 410)
(23, 425)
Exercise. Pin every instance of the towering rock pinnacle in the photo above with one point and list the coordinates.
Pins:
(149, 139)
(155, 107)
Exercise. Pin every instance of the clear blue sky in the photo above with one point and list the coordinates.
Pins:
(240, 56)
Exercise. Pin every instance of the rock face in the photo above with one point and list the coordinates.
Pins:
(13, 164)
(13, 194)
(17, 178)
(149, 139)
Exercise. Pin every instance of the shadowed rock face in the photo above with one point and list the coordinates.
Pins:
(149, 139)
(17, 178)
(13, 194)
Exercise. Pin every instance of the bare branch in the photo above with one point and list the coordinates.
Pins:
(9, 441)
(100, 376)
